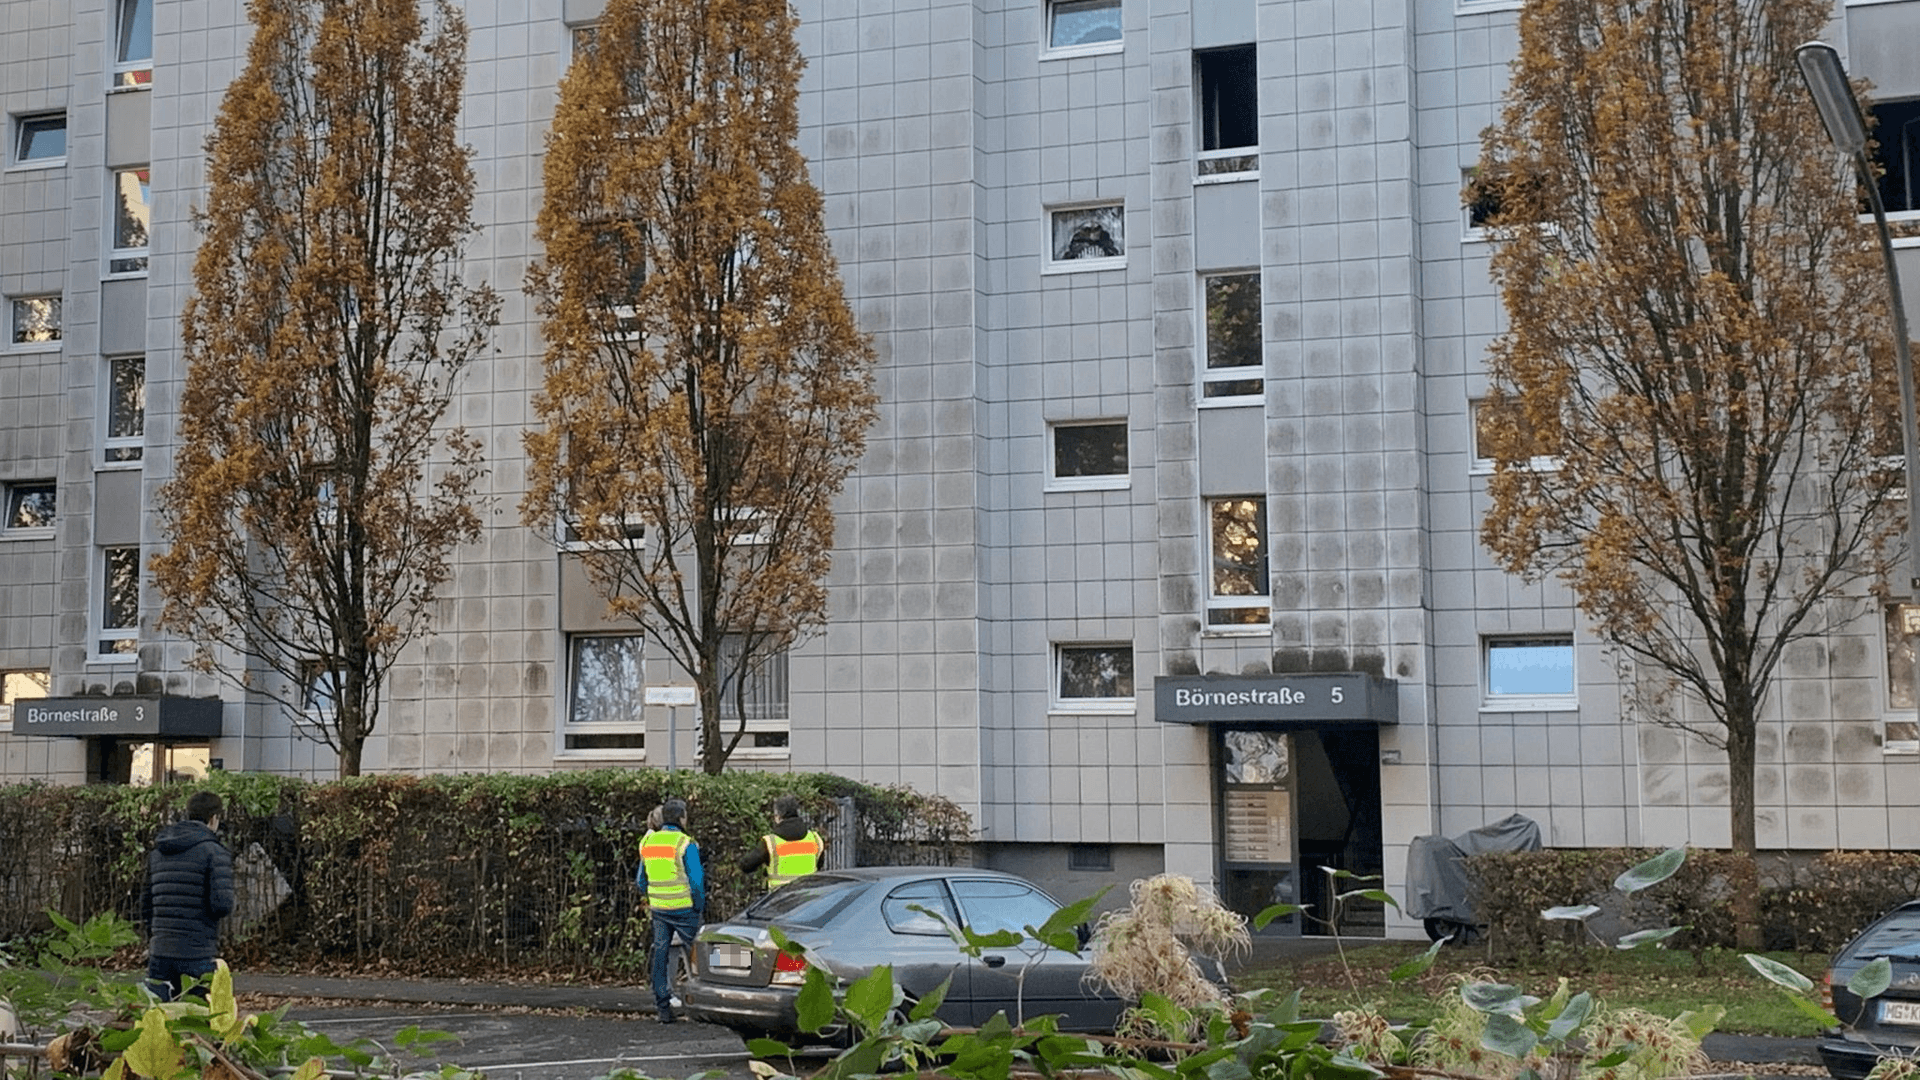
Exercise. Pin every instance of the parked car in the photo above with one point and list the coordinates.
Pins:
(1889, 1022)
(852, 921)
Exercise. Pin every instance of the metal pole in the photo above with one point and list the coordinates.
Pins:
(673, 715)
(1832, 94)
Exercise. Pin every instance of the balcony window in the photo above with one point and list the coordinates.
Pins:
(133, 37)
(1226, 92)
(1083, 24)
(132, 214)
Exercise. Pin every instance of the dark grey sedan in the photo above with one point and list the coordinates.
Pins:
(852, 921)
(1890, 1022)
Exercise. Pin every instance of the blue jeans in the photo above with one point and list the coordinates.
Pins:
(165, 973)
(668, 925)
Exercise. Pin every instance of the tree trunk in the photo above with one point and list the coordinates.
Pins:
(1740, 769)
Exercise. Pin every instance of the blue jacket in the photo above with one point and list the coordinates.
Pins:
(696, 877)
(189, 889)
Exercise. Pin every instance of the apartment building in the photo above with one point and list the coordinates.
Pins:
(1164, 551)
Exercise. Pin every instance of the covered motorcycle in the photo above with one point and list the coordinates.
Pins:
(1437, 890)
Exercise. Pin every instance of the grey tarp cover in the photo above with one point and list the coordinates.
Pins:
(1436, 876)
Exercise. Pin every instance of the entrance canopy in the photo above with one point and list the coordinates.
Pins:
(153, 717)
(1321, 699)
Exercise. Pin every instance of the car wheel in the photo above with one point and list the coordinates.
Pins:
(1446, 930)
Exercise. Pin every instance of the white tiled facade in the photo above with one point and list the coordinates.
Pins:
(943, 133)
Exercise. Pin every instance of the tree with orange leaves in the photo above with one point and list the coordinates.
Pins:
(1684, 272)
(706, 384)
(327, 327)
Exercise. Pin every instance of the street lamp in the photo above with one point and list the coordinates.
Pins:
(1840, 112)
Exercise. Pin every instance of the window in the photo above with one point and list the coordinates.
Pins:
(1088, 455)
(133, 38)
(1226, 91)
(1093, 677)
(1087, 25)
(119, 608)
(763, 697)
(320, 688)
(1896, 150)
(1490, 198)
(36, 321)
(902, 909)
(1496, 420)
(1089, 237)
(1235, 364)
(30, 506)
(21, 686)
(125, 413)
(629, 532)
(1090, 857)
(1529, 673)
(132, 212)
(1237, 589)
(585, 39)
(1002, 905)
(40, 138)
(606, 689)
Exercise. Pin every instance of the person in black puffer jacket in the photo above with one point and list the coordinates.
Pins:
(189, 889)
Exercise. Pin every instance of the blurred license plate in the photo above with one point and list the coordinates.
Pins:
(740, 958)
(1899, 1012)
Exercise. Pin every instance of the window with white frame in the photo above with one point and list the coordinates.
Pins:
(584, 39)
(133, 43)
(1088, 237)
(320, 686)
(1238, 593)
(118, 593)
(30, 507)
(1529, 673)
(124, 411)
(34, 322)
(16, 686)
(1087, 454)
(1498, 420)
(40, 139)
(1234, 363)
(1093, 677)
(132, 215)
(759, 693)
(1083, 25)
(611, 532)
(1226, 97)
(606, 695)
(1903, 732)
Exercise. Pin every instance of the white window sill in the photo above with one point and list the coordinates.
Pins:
(136, 88)
(36, 347)
(1089, 483)
(1094, 707)
(761, 753)
(1484, 466)
(1526, 704)
(1238, 631)
(1226, 178)
(1477, 7)
(114, 659)
(1082, 266)
(119, 466)
(124, 275)
(599, 755)
(1069, 52)
(26, 534)
(38, 164)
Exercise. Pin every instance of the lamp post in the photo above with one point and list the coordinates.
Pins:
(1840, 113)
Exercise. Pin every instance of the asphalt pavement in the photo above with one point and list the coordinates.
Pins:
(582, 1032)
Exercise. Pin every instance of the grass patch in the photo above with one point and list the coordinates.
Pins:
(1657, 980)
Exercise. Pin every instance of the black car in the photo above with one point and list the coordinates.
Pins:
(1888, 1023)
(852, 921)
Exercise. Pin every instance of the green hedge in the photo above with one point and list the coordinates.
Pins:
(1511, 889)
(1817, 906)
(438, 871)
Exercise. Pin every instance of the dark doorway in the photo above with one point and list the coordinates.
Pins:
(1340, 828)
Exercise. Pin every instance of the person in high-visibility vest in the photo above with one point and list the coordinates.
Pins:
(676, 891)
(790, 851)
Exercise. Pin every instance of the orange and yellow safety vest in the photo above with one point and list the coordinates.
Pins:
(663, 853)
(788, 860)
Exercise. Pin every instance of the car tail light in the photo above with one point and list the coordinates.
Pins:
(1826, 991)
(788, 968)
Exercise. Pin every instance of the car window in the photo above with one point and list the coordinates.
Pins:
(811, 901)
(1002, 905)
(1898, 934)
(899, 905)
